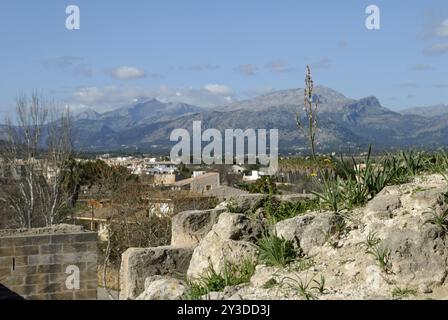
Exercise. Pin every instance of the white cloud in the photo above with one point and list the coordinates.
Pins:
(111, 97)
(128, 73)
(442, 29)
(436, 49)
(218, 89)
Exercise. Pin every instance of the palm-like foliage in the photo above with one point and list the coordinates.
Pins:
(276, 251)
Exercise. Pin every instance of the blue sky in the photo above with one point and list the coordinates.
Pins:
(213, 52)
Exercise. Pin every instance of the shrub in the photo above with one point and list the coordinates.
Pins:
(232, 206)
(276, 251)
(264, 185)
(331, 195)
(277, 210)
(149, 232)
(413, 162)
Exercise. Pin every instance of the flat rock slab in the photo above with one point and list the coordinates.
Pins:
(140, 263)
(190, 227)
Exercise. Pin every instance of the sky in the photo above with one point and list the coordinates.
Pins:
(211, 53)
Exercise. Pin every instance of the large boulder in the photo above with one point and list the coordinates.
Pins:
(227, 242)
(237, 227)
(309, 231)
(244, 202)
(424, 198)
(138, 264)
(384, 203)
(163, 288)
(418, 257)
(190, 227)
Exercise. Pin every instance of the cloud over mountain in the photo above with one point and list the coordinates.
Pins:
(128, 73)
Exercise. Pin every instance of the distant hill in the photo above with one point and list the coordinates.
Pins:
(344, 123)
(427, 112)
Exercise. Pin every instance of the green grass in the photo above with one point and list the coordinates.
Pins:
(300, 287)
(275, 251)
(381, 253)
(352, 183)
(399, 293)
(277, 210)
(382, 256)
(306, 289)
(232, 206)
(439, 219)
(212, 281)
(372, 240)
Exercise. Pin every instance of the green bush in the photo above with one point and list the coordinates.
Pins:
(277, 210)
(276, 251)
(264, 185)
(353, 183)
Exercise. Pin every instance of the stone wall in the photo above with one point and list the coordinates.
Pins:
(36, 264)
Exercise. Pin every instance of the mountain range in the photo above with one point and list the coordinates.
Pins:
(344, 123)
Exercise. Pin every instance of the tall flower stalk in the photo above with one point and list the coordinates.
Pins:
(310, 109)
(309, 127)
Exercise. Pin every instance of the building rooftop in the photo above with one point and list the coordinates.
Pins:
(190, 180)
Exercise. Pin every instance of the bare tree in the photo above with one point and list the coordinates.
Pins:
(35, 155)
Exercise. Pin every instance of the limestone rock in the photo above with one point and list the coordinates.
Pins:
(163, 288)
(237, 227)
(418, 257)
(384, 203)
(138, 264)
(308, 231)
(245, 202)
(215, 251)
(427, 197)
(190, 227)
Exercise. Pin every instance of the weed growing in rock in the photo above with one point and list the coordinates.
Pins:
(299, 286)
(213, 281)
(439, 219)
(277, 211)
(382, 256)
(399, 293)
(331, 238)
(304, 288)
(371, 241)
(276, 251)
(320, 285)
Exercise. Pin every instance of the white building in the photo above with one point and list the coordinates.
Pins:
(254, 176)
